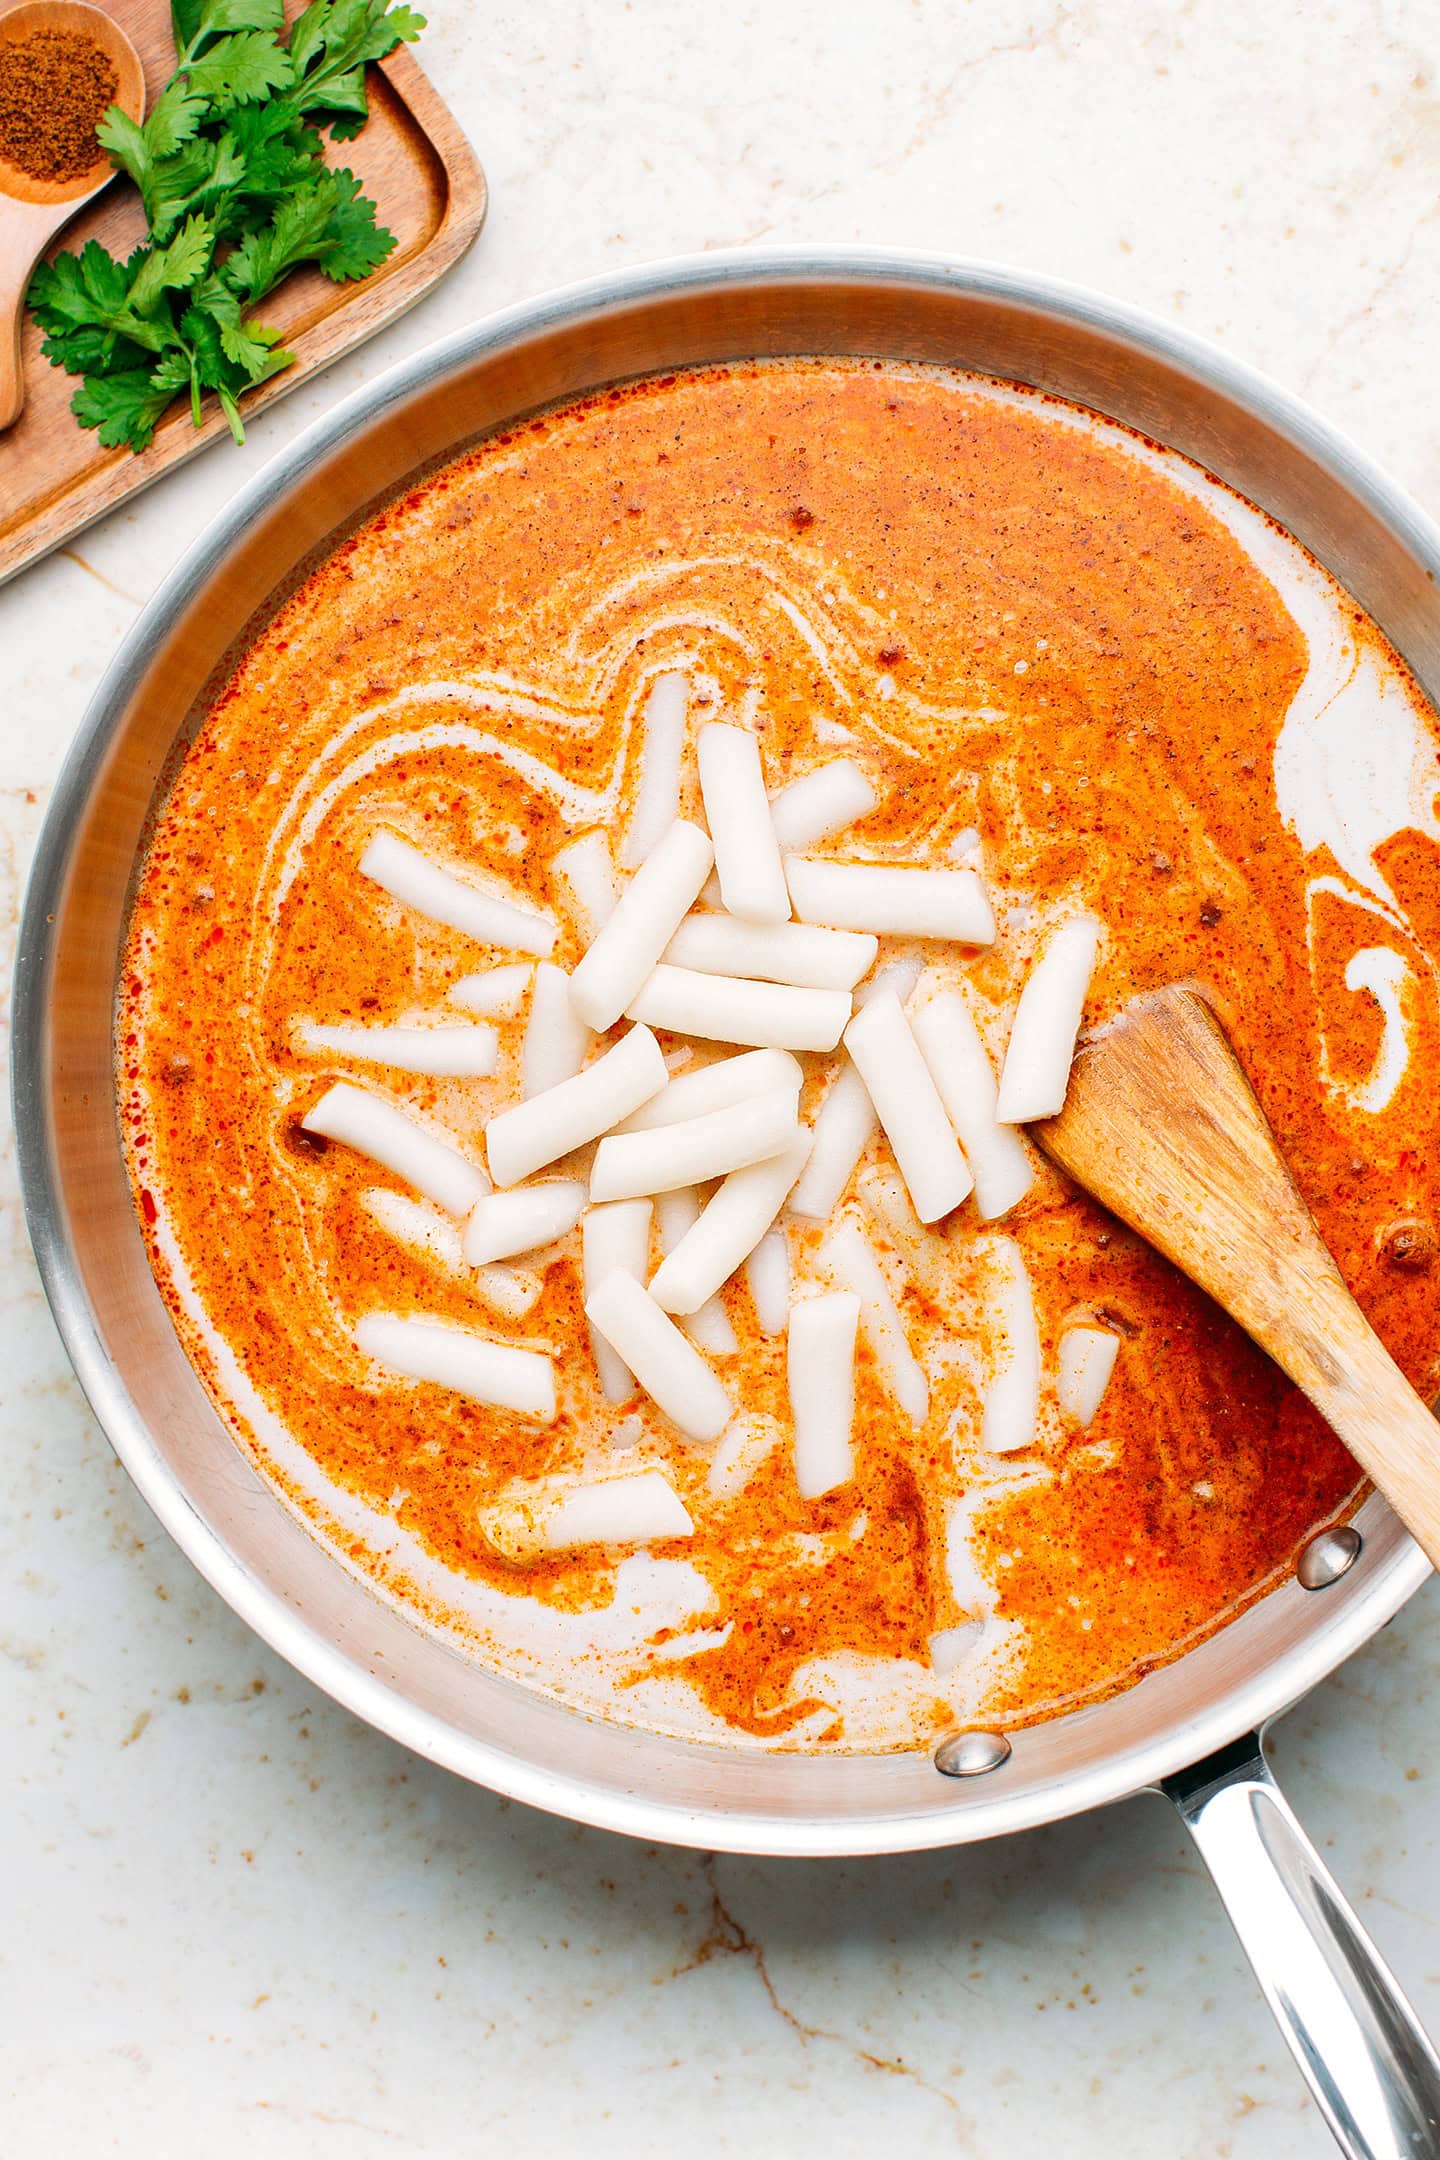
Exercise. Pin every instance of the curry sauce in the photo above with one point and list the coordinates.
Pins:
(1057, 651)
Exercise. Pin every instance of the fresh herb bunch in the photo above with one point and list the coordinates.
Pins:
(230, 168)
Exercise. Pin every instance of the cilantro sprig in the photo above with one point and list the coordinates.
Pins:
(230, 167)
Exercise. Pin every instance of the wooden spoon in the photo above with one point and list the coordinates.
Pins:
(1161, 1124)
(32, 211)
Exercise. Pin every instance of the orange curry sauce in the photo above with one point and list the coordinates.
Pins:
(1019, 630)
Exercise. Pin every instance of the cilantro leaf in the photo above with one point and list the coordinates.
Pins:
(241, 70)
(332, 41)
(124, 138)
(76, 300)
(347, 98)
(173, 183)
(359, 245)
(255, 347)
(172, 268)
(139, 151)
(84, 303)
(298, 233)
(92, 351)
(252, 347)
(310, 33)
(228, 173)
(196, 21)
(78, 289)
(404, 27)
(278, 150)
(255, 356)
(202, 335)
(173, 118)
(126, 407)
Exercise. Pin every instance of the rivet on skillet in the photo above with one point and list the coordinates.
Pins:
(1328, 1556)
(971, 1754)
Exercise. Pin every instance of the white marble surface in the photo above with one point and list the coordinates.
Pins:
(235, 1922)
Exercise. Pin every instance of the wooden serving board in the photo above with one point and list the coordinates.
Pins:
(55, 478)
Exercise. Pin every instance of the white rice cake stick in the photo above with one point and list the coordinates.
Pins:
(895, 902)
(843, 1130)
(502, 1224)
(822, 802)
(421, 1229)
(907, 1104)
(628, 1164)
(728, 1230)
(638, 1507)
(709, 1326)
(413, 878)
(773, 952)
(820, 1368)
(557, 1041)
(646, 918)
(524, 1139)
(673, 1375)
(743, 1451)
(922, 1252)
(589, 889)
(710, 1329)
(1086, 1361)
(950, 1045)
(374, 1127)
(467, 1052)
(715, 1087)
(510, 1291)
(662, 745)
(614, 1240)
(674, 1213)
(722, 1008)
(498, 993)
(737, 810)
(950, 1647)
(496, 1374)
(1041, 1049)
(849, 1261)
(767, 1271)
(885, 1196)
(900, 976)
(1012, 1400)
(431, 1236)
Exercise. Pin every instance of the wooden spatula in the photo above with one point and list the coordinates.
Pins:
(1162, 1126)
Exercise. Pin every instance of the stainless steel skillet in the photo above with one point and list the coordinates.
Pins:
(1190, 1729)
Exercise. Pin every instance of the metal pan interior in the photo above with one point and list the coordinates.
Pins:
(213, 1501)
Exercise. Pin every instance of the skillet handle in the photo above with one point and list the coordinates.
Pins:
(1358, 2043)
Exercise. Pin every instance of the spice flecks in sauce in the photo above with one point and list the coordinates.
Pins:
(1025, 624)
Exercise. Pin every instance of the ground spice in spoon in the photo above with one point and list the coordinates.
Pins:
(54, 88)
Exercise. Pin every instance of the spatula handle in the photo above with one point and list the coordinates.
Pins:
(1330, 1351)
